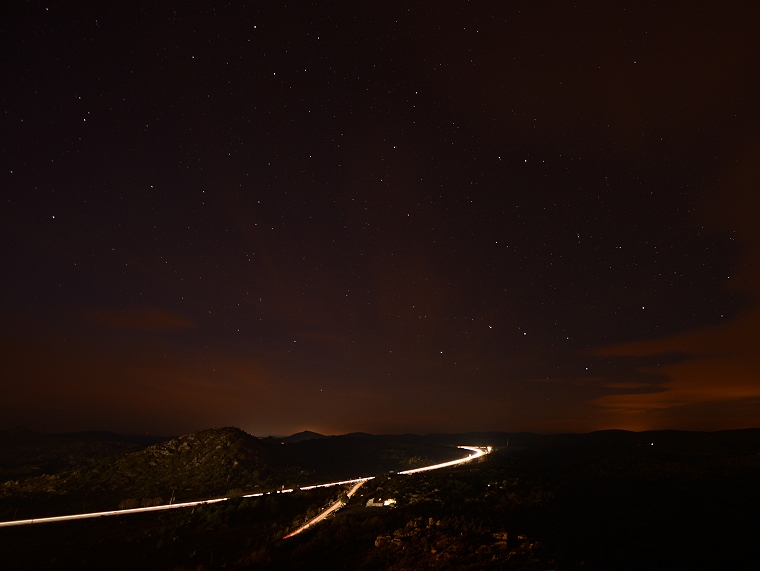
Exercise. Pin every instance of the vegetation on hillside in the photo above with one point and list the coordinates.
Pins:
(611, 500)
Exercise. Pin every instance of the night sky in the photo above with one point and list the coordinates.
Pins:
(383, 217)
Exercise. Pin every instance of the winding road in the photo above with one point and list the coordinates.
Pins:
(477, 452)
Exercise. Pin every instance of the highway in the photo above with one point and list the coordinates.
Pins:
(356, 481)
(333, 508)
(477, 453)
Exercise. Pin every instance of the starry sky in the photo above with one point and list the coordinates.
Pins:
(386, 217)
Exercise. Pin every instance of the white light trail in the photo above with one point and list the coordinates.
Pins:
(477, 453)
(112, 512)
(357, 481)
(337, 483)
(333, 508)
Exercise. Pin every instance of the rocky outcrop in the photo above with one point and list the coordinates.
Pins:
(430, 544)
(206, 463)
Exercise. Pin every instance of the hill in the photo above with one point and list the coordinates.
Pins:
(203, 464)
(24, 453)
(209, 463)
(304, 435)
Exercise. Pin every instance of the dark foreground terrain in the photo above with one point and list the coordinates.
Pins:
(606, 500)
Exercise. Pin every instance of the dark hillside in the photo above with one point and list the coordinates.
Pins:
(304, 435)
(606, 500)
(210, 463)
(351, 455)
(202, 464)
(24, 453)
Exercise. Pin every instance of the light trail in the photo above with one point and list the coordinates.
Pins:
(107, 513)
(333, 508)
(135, 510)
(477, 453)
(337, 483)
(357, 481)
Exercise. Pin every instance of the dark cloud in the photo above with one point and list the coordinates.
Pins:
(721, 361)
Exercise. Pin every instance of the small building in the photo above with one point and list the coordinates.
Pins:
(379, 503)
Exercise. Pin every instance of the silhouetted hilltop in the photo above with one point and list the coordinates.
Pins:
(359, 454)
(209, 462)
(304, 435)
(202, 464)
(360, 435)
(25, 453)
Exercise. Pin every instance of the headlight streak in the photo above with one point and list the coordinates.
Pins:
(478, 452)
